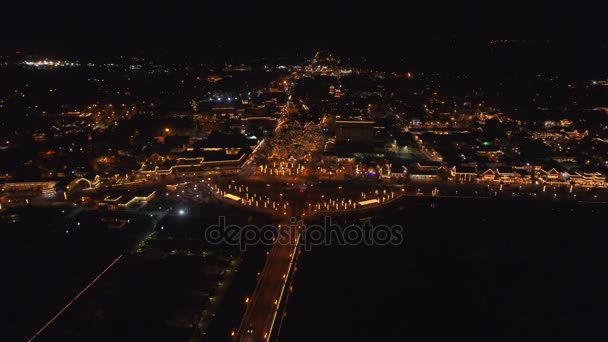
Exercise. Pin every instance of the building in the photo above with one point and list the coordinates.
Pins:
(203, 163)
(576, 135)
(418, 175)
(464, 174)
(429, 165)
(82, 183)
(354, 131)
(552, 176)
(125, 200)
(397, 171)
(323, 62)
(43, 187)
(505, 174)
(523, 175)
(488, 175)
(426, 171)
(587, 179)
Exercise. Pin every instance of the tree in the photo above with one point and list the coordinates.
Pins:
(293, 140)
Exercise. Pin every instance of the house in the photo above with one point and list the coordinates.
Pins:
(522, 175)
(505, 174)
(464, 174)
(552, 176)
(488, 176)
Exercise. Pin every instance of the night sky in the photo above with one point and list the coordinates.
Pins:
(288, 24)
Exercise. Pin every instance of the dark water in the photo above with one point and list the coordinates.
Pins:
(467, 271)
(43, 267)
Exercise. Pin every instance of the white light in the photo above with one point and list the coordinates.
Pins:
(182, 212)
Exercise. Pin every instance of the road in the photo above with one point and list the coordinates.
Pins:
(262, 316)
(262, 311)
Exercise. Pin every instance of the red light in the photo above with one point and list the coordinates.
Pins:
(17, 52)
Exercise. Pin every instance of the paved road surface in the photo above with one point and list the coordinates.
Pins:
(261, 313)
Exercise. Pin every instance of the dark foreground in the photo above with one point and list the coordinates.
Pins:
(468, 270)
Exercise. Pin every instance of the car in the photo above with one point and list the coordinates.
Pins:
(249, 330)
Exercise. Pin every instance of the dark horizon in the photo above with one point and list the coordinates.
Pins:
(437, 55)
(114, 25)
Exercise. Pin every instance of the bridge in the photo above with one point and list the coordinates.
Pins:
(264, 313)
(264, 308)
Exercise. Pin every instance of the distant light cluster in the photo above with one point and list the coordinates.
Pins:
(50, 63)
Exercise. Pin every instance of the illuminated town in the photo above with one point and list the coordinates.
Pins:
(117, 167)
